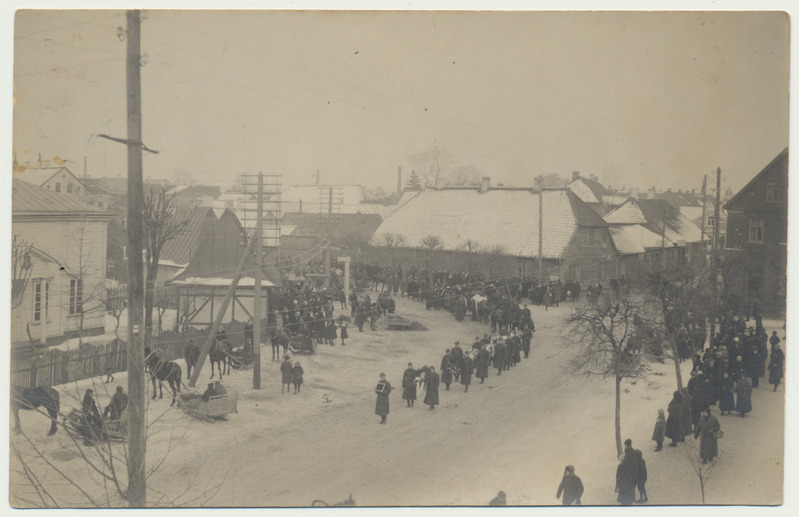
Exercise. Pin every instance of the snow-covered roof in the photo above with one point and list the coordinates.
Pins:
(245, 281)
(653, 213)
(348, 199)
(29, 199)
(506, 218)
(634, 238)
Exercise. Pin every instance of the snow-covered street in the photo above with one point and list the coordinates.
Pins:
(514, 433)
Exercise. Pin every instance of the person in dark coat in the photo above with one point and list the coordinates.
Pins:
(381, 406)
(687, 424)
(776, 365)
(752, 365)
(743, 389)
(208, 393)
(659, 433)
(674, 426)
(483, 360)
(727, 400)
(456, 360)
(344, 334)
(627, 476)
(119, 402)
(467, 365)
(331, 333)
(499, 356)
(285, 371)
(571, 487)
(446, 372)
(697, 397)
(90, 416)
(706, 432)
(431, 388)
(499, 500)
(409, 384)
(641, 483)
(527, 337)
(774, 340)
(296, 377)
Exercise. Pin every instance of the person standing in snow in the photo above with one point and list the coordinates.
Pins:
(381, 406)
(659, 433)
(707, 431)
(285, 371)
(641, 483)
(627, 475)
(409, 384)
(571, 487)
(431, 385)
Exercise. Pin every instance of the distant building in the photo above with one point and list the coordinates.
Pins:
(192, 196)
(591, 192)
(58, 180)
(336, 199)
(757, 237)
(651, 233)
(496, 231)
(68, 265)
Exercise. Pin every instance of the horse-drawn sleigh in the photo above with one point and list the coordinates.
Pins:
(216, 408)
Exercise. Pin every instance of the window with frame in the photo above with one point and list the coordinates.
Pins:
(755, 229)
(58, 187)
(585, 237)
(772, 193)
(75, 296)
(69, 188)
(41, 299)
(711, 220)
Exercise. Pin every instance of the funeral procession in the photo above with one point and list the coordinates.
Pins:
(299, 258)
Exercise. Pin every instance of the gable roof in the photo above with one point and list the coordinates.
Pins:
(782, 156)
(28, 199)
(507, 218)
(652, 213)
(632, 239)
(678, 199)
(179, 250)
(314, 198)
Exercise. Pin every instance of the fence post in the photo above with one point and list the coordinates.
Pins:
(33, 371)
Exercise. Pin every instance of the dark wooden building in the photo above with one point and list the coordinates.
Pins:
(757, 238)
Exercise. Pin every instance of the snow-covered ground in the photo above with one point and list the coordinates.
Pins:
(514, 433)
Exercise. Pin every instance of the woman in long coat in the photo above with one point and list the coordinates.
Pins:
(706, 432)
(431, 387)
(776, 365)
(285, 371)
(659, 434)
(627, 477)
(483, 360)
(744, 391)
(499, 356)
(727, 400)
(467, 365)
(381, 406)
(296, 376)
(409, 385)
(674, 426)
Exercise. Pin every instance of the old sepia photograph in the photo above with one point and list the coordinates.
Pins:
(397, 258)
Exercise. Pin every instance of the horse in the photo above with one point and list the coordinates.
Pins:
(220, 355)
(278, 340)
(32, 398)
(191, 354)
(168, 371)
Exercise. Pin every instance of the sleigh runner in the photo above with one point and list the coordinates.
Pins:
(217, 407)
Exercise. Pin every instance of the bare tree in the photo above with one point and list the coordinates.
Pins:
(702, 470)
(432, 243)
(87, 277)
(434, 164)
(38, 480)
(160, 227)
(600, 334)
(392, 241)
(21, 269)
(116, 301)
(494, 253)
(680, 298)
(465, 175)
(471, 249)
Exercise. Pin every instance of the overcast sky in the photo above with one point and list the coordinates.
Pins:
(640, 99)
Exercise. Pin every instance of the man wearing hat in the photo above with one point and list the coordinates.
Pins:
(571, 487)
(409, 385)
(285, 371)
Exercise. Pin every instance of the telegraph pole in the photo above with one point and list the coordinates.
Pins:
(540, 229)
(704, 214)
(137, 430)
(256, 306)
(663, 243)
(714, 255)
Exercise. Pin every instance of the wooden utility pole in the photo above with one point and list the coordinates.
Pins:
(704, 215)
(714, 270)
(137, 429)
(663, 242)
(540, 229)
(256, 304)
(221, 314)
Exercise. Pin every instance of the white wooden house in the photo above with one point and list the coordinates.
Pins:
(65, 291)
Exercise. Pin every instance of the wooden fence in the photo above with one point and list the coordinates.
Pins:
(55, 367)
